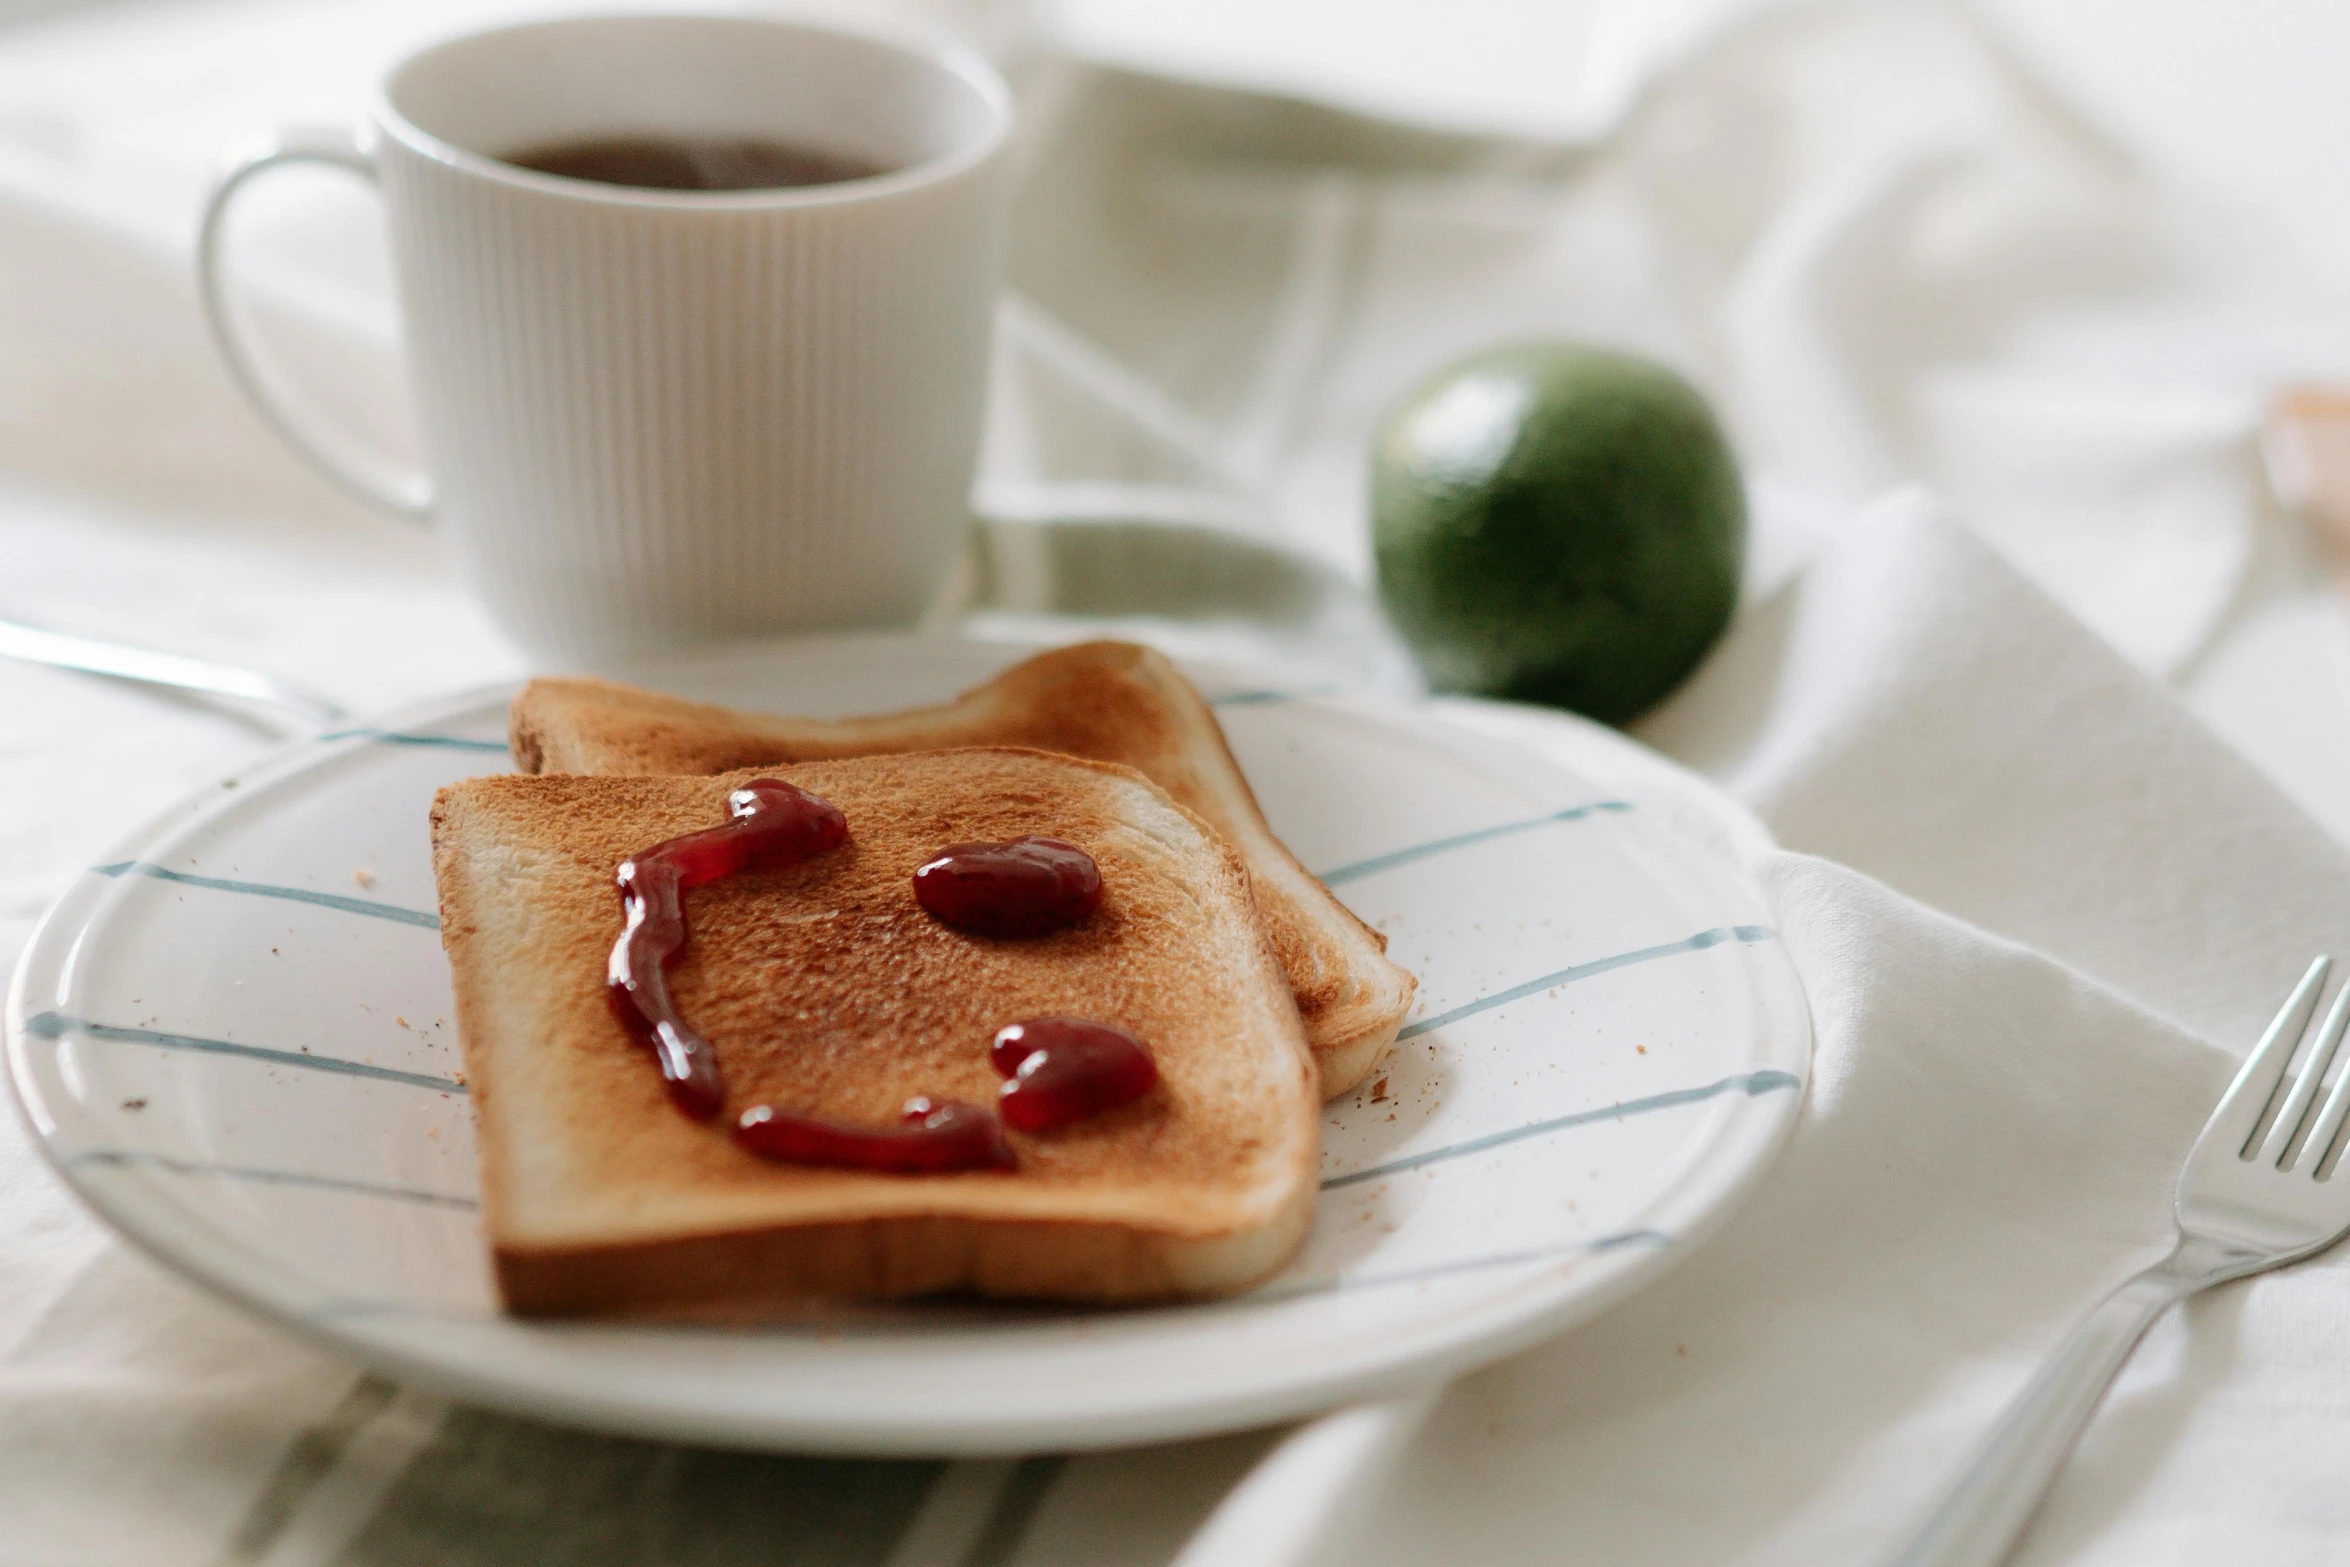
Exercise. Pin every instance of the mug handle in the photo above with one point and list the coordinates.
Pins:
(350, 466)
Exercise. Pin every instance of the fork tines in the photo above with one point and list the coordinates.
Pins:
(2272, 1132)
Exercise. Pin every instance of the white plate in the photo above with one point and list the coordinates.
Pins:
(233, 1037)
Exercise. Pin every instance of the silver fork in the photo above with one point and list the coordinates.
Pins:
(2255, 1194)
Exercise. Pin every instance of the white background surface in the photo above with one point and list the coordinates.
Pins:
(2048, 259)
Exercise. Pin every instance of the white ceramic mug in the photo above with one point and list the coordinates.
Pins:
(654, 417)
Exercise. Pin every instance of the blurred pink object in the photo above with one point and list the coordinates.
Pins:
(2306, 442)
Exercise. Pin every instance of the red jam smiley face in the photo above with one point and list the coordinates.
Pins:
(1058, 1070)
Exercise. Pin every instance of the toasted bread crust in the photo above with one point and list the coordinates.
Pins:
(1113, 702)
(892, 1259)
(824, 987)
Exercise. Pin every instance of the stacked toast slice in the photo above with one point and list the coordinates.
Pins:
(1104, 701)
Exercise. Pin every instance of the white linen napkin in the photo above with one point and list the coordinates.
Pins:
(1998, 1109)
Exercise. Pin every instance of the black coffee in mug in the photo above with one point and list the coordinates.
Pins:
(695, 162)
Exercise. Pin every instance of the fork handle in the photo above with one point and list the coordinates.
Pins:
(1977, 1520)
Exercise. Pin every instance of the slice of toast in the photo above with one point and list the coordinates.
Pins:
(825, 988)
(1105, 701)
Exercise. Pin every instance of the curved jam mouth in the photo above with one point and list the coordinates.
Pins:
(770, 825)
(1057, 1070)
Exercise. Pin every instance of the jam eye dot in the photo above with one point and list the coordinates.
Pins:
(1027, 887)
(1059, 1070)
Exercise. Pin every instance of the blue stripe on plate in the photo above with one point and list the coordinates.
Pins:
(1420, 851)
(260, 889)
(1567, 976)
(56, 1025)
(1768, 1080)
(1623, 1238)
(133, 1157)
(395, 737)
(1269, 695)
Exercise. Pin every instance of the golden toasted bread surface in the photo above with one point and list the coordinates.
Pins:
(825, 988)
(1113, 702)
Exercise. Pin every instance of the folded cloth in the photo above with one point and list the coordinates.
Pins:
(1998, 1109)
(1864, 230)
(1870, 235)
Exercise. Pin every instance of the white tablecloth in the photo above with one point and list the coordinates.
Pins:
(2037, 902)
